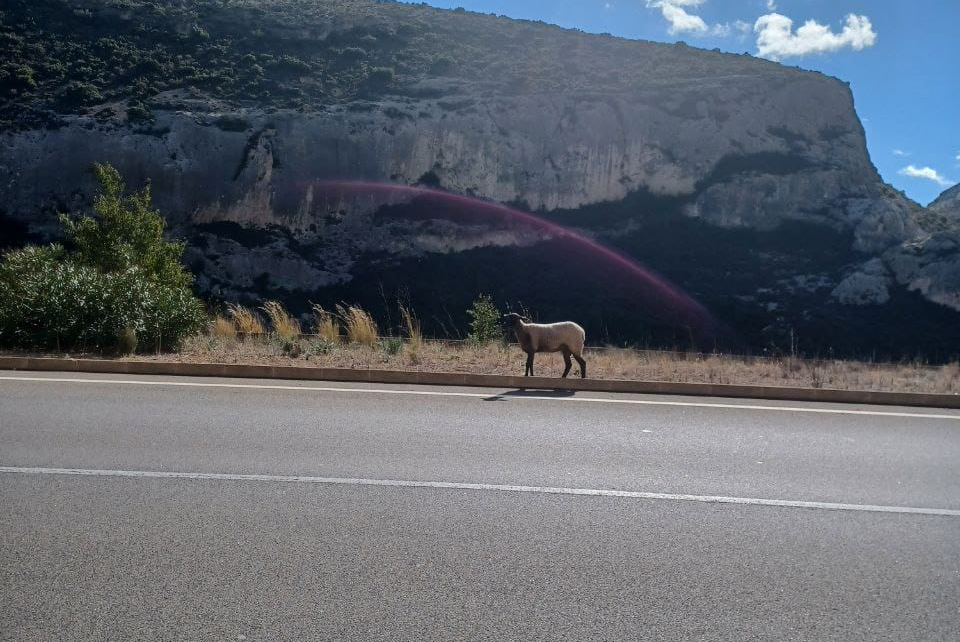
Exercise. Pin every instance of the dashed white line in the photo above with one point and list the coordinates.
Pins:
(476, 395)
(509, 488)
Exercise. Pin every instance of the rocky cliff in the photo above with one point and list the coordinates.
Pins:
(930, 262)
(947, 205)
(745, 182)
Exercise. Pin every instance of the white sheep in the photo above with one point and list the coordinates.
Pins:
(566, 337)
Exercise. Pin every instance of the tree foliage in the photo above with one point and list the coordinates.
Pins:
(116, 274)
(125, 233)
(484, 321)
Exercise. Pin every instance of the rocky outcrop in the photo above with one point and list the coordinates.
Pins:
(948, 205)
(751, 154)
(930, 266)
(868, 285)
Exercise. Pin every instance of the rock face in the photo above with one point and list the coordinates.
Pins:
(948, 204)
(708, 150)
(930, 263)
(869, 285)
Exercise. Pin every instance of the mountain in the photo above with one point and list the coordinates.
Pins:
(330, 150)
(948, 204)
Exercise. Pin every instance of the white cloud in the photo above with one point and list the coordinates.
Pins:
(607, 5)
(727, 28)
(681, 20)
(958, 157)
(673, 11)
(771, 5)
(925, 172)
(900, 152)
(776, 38)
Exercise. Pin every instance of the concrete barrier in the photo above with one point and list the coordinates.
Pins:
(49, 364)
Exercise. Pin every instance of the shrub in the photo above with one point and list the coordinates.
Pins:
(16, 79)
(51, 300)
(139, 113)
(126, 341)
(484, 321)
(392, 345)
(125, 233)
(292, 349)
(80, 94)
(321, 345)
(120, 274)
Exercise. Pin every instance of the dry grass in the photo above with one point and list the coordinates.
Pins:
(434, 356)
(360, 326)
(411, 326)
(245, 320)
(325, 324)
(223, 328)
(284, 325)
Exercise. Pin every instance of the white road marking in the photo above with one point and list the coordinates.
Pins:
(509, 488)
(477, 395)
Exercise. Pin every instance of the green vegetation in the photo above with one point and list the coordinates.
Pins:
(117, 280)
(484, 321)
(84, 56)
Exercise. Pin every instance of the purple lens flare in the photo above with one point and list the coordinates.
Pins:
(670, 294)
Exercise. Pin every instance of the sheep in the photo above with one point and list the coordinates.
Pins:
(566, 337)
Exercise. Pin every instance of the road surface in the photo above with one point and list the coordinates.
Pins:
(160, 508)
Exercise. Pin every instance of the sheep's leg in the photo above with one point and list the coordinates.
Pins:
(566, 360)
(529, 368)
(583, 365)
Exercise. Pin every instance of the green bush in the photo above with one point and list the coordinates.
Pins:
(80, 94)
(321, 346)
(120, 274)
(484, 321)
(139, 113)
(392, 345)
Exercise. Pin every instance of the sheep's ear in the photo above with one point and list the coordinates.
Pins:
(525, 319)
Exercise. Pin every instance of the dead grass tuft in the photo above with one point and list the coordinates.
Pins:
(411, 326)
(246, 321)
(283, 324)
(223, 328)
(360, 326)
(325, 324)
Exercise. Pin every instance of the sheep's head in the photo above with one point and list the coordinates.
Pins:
(512, 320)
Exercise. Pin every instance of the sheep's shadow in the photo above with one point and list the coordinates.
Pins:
(531, 392)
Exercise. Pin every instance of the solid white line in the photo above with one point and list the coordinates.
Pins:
(475, 395)
(510, 488)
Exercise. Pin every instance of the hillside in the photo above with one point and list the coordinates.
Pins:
(69, 56)
(304, 150)
(948, 205)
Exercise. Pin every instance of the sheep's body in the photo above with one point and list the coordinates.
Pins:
(551, 337)
(566, 337)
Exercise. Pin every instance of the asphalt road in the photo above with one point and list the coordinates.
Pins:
(505, 525)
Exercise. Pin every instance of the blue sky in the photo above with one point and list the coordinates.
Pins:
(901, 57)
